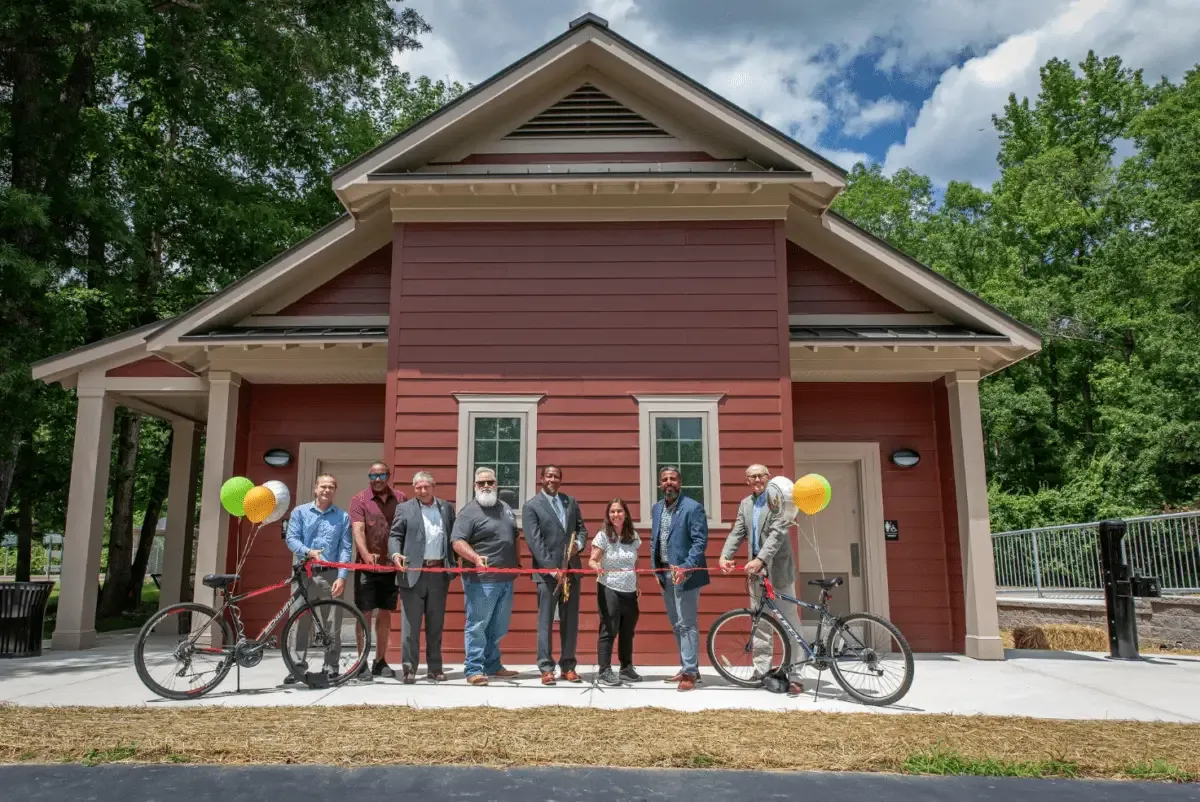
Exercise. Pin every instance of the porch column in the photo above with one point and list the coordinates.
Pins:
(974, 529)
(75, 627)
(220, 435)
(181, 505)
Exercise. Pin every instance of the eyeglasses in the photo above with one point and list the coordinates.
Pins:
(377, 477)
(485, 483)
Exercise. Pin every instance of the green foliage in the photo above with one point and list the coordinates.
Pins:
(942, 761)
(1103, 259)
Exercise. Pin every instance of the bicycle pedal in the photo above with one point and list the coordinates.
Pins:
(272, 642)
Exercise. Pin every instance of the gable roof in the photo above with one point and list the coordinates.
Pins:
(584, 31)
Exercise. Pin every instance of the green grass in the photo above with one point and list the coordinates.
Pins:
(937, 760)
(118, 753)
(1160, 770)
(132, 619)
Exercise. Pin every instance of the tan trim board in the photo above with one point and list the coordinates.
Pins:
(153, 410)
(281, 321)
(156, 385)
(584, 214)
(870, 478)
(903, 319)
(122, 348)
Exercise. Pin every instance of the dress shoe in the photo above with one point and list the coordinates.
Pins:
(409, 678)
(548, 678)
(435, 676)
(795, 688)
(570, 676)
(688, 683)
(506, 673)
(679, 678)
(477, 679)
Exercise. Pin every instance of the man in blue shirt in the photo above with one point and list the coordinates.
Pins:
(320, 530)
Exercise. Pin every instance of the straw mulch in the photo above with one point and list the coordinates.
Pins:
(1076, 638)
(645, 737)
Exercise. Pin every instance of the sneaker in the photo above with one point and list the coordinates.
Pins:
(364, 674)
(290, 679)
(629, 675)
(609, 678)
(380, 668)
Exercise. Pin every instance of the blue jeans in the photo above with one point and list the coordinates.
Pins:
(489, 608)
(683, 611)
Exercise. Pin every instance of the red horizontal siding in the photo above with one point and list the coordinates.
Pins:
(919, 567)
(150, 367)
(817, 288)
(668, 308)
(361, 289)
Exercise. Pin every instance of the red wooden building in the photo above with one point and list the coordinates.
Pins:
(590, 260)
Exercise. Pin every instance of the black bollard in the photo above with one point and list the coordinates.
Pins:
(1118, 593)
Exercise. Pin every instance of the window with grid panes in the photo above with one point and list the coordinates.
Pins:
(679, 441)
(496, 444)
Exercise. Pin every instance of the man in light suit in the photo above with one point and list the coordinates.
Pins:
(420, 538)
(555, 533)
(679, 535)
(769, 546)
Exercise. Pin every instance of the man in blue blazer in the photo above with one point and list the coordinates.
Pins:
(679, 535)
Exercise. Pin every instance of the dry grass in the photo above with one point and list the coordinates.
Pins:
(356, 736)
(1074, 638)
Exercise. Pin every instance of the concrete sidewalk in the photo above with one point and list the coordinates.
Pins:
(1040, 684)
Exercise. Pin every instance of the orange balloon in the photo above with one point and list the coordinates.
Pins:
(259, 503)
(812, 493)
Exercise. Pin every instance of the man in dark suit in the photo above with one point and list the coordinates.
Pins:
(556, 535)
(679, 535)
(420, 538)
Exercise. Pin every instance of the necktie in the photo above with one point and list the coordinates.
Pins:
(558, 508)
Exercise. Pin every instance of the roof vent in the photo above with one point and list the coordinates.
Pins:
(587, 112)
(595, 19)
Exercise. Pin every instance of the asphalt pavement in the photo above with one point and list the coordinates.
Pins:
(133, 783)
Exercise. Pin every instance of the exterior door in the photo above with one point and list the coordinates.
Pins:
(351, 477)
(830, 543)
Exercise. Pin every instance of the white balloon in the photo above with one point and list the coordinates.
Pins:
(283, 500)
(783, 487)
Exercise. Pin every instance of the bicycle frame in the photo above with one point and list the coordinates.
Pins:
(229, 607)
(768, 600)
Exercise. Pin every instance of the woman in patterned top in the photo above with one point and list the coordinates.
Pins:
(614, 554)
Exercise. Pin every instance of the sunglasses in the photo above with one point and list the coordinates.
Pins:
(485, 483)
(377, 477)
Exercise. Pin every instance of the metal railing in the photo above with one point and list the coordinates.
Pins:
(1064, 561)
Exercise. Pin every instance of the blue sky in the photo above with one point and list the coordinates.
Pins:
(906, 83)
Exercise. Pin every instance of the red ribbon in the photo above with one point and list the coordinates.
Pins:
(391, 568)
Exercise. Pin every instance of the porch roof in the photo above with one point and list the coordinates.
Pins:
(893, 335)
(291, 334)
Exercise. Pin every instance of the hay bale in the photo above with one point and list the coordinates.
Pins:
(1061, 638)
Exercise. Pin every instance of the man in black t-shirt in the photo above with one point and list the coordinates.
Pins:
(485, 535)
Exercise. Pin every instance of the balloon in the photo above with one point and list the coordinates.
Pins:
(259, 503)
(233, 493)
(283, 500)
(779, 497)
(812, 493)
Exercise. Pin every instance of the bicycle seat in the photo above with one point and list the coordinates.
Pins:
(826, 584)
(219, 581)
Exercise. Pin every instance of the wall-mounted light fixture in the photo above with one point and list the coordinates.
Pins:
(905, 458)
(277, 457)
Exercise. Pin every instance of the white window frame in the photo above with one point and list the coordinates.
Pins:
(653, 407)
(472, 406)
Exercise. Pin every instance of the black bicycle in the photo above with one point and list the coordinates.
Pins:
(198, 645)
(745, 645)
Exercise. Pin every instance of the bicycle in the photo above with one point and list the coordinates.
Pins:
(200, 632)
(838, 651)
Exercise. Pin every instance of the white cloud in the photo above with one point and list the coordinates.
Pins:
(846, 159)
(869, 116)
(953, 137)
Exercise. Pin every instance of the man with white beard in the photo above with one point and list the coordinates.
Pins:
(485, 535)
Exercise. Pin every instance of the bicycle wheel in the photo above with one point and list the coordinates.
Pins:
(865, 648)
(732, 642)
(342, 631)
(189, 640)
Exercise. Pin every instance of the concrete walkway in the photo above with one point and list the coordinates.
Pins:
(1040, 684)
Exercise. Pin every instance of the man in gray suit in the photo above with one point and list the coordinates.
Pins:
(420, 538)
(556, 535)
(770, 547)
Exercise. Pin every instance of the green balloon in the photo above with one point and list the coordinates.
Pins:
(233, 493)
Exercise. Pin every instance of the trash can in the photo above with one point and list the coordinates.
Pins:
(22, 616)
